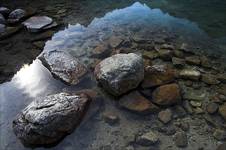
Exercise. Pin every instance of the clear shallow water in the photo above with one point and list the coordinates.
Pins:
(132, 22)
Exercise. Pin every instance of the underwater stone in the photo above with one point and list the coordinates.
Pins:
(64, 66)
(4, 11)
(2, 19)
(147, 139)
(222, 111)
(48, 119)
(180, 139)
(120, 73)
(191, 74)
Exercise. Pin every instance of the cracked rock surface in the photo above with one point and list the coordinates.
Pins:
(48, 119)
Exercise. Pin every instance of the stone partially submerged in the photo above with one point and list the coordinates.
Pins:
(64, 66)
(37, 23)
(120, 73)
(48, 119)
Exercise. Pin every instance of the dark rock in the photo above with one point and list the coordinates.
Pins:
(212, 108)
(221, 147)
(2, 19)
(9, 31)
(210, 79)
(48, 119)
(194, 95)
(178, 53)
(205, 62)
(64, 66)
(157, 75)
(190, 74)
(147, 139)
(193, 60)
(219, 134)
(150, 54)
(101, 51)
(222, 110)
(39, 44)
(167, 130)
(222, 77)
(135, 102)
(165, 116)
(4, 11)
(42, 36)
(16, 16)
(168, 94)
(165, 54)
(37, 23)
(2, 28)
(180, 139)
(178, 62)
(120, 73)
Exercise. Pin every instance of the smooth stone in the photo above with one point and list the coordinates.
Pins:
(120, 73)
(190, 74)
(150, 54)
(212, 108)
(178, 62)
(37, 23)
(135, 102)
(210, 79)
(50, 26)
(180, 139)
(167, 130)
(196, 103)
(194, 95)
(115, 41)
(178, 53)
(165, 116)
(219, 134)
(165, 54)
(2, 19)
(205, 62)
(157, 75)
(16, 15)
(193, 60)
(48, 119)
(222, 111)
(63, 66)
(110, 118)
(168, 94)
(167, 46)
(4, 11)
(147, 139)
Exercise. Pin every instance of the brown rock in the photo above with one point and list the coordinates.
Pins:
(158, 75)
(135, 102)
(167, 94)
(165, 116)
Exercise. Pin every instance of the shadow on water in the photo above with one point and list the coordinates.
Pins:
(137, 23)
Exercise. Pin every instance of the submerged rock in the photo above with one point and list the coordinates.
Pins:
(48, 119)
(135, 102)
(120, 73)
(168, 94)
(180, 139)
(2, 28)
(37, 23)
(2, 19)
(64, 66)
(147, 139)
(16, 15)
(165, 116)
(222, 111)
(4, 11)
(210, 79)
(191, 74)
(193, 60)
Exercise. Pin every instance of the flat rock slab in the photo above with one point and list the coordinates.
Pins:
(120, 73)
(37, 23)
(48, 119)
(63, 66)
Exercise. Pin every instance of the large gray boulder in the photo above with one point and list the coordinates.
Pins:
(63, 66)
(48, 119)
(120, 73)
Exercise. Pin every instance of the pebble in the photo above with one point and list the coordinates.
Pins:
(165, 116)
(180, 139)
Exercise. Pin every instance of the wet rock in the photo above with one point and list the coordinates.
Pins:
(190, 74)
(135, 102)
(64, 66)
(167, 130)
(50, 26)
(158, 75)
(9, 31)
(110, 118)
(48, 119)
(42, 36)
(222, 77)
(147, 139)
(193, 60)
(219, 134)
(167, 46)
(165, 116)
(2, 19)
(210, 79)
(205, 62)
(101, 51)
(212, 108)
(178, 53)
(115, 41)
(120, 73)
(2, 28)
(180, 139)
(187, 107)
(195, 103)
(4, 11)
(168, 94)
(16, 16)
(194, 95)
(165, 54)
(222, 111)
(37, 23)
(221, 147)
(150, 54)
(178, 62)
(183, 125)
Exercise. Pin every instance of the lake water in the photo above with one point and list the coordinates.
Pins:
(199, 25)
